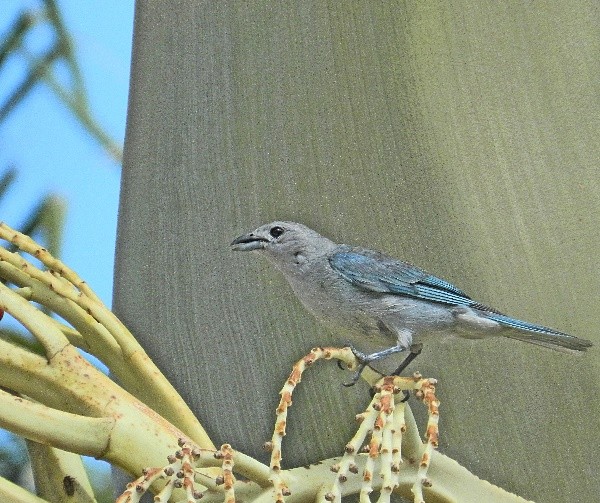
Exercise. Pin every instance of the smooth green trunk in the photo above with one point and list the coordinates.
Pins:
(462, 136)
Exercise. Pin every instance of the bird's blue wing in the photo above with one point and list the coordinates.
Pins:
(377, 272)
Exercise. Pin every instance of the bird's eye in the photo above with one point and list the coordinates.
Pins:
(276, 231)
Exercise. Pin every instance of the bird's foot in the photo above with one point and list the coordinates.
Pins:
(415, 350)
(364, 360)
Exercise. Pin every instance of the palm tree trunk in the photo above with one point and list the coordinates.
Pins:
(460, 136)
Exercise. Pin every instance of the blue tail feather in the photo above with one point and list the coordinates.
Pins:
(538, 334)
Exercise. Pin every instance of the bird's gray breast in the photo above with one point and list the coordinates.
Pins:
(335, 301)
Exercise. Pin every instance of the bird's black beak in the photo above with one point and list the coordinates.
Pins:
(248, 242)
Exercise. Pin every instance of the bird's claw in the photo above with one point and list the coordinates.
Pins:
(361, 357)
(363, 361)
(356, 375)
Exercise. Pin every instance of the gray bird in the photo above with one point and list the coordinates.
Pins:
(373, 297)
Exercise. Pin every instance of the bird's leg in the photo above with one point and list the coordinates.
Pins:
(415, 350)
(364, 360)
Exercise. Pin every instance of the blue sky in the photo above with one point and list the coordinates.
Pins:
(51, 151)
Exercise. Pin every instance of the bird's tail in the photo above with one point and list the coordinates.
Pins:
(539, 335)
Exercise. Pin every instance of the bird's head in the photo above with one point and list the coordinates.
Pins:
(283, 242)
